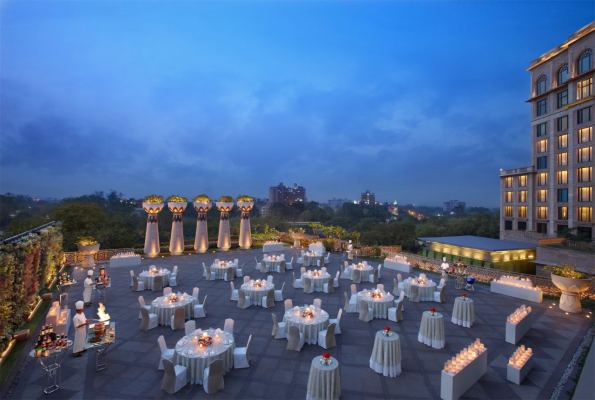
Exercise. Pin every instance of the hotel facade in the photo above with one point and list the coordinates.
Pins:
(555, 192)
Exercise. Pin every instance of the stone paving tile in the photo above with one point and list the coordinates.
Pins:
(276, 373)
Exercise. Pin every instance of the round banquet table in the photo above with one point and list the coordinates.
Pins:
(366, 271)
(426, 291)
(463, 312)
(272, 265)
(317, 281)
(431, 330)
(386, 354)
(308, 260)
(308, 326)
(380, 305)
(165, 309)
(149, 278)
(257, 293)
(324, 382)
(196, 359)
(220, 272)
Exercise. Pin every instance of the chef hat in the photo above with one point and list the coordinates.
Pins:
(79, 305)
(350, 241)
(444, 259)
(89, 272)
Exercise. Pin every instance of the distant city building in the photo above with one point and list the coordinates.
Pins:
(393, 208)
(286, 194)
(264, 208)
(453, 205)
(337, 203)
(368, 198)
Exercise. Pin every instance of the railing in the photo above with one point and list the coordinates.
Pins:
(16, 238)
(515, 171)
(529, 234)
(486, 275)
(101, 256)
(543, 242)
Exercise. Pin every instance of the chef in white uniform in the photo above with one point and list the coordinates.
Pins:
(445, 266)
(80, 323)
(88, 291)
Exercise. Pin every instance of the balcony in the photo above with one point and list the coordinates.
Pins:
(517, 171)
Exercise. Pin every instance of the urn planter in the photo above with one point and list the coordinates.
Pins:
(176, 243)
(201, 239)
(88, 253)
(245, 234)
(224, 240)
(571, 288)
(152, 233)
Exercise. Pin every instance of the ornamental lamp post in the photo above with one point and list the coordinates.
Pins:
(224, 205)
(202, 204)
(153, 205)
(177, 205)
(245, 204)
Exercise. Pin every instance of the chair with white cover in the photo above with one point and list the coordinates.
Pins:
(350, 306)
(326, 338)
(177, 319)
(336, 281)
(210, 276)
(373, 277)
(257, 267)
(149, 320)
(200, 310)
(204, 270)
(243, 300)
(327, 260)
(380, 286)
(366, 313)
(317, 303)
(401, 300)
(442, 283)
(297, 283)
(414, 294)
(353, 293)
(323, 269)
(236, 262)
(234, 292)
(229, 274)
(337, 322)
(216, 260)
(138, 286)
(270, 279)
(195, 293)
(131, 279)
(228, 327)
(401, 286)
(328, 287)
(345, 273)
(189, 327)
(321, 261)
(288, 304)
(396, 313)
(395, 287)
(282, 267)
(308, 285)
(278, 328)
(246, 279)
(167, 291)
(141, 301)
(212, 378)
(268, 301)
(279, 293)
(263, 267)
(240, 271)
(241, 356)
(289, 265)
(365, 263)
(379, 268)
(158, 283)
(303, 270)
(300, 260)
(295, 339)
(357, 275)
(166, 354)
(174, 279)
(439, 295)
(175, 377)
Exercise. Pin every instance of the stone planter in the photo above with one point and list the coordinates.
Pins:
(201, 239)
(571, 287)
(152, 233)
(88, 253)
(224, 240)
(245, 234)
(176, 243)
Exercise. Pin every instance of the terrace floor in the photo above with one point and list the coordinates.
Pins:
(276, 373)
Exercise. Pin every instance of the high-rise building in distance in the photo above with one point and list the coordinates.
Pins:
(368, 198)
(287, 195)
(337, 203)
(452, 205)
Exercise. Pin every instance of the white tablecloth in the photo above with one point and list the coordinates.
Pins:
(317, 281)
(308, 326)
(272, 247)
(165, 309)
(149, 278)
(308, 260)
(431, 330)
(222, 349)
(273, 265)
(386, 354)
(318, 249)
(220, 272)
(426, 291)
(463, 312)
(366, 270)
(256, 293)
(324, 382)
(379, 305)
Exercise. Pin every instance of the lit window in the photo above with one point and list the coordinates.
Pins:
(522, 211)
(583, 115)
(508, 182)
(585, 193)
(585, 61)
(522, 181)
(541, 85)
(585, 134)
(562, 123)
(584, 88)
(542, 196)
(508, 211)
(542, 179)
(563, 195)
(542, 162)
(522, 196)
(584, 214)
(563, 213)
(584, 155)
(562, 74)
(541, 107)
(542, 212)
(584, 174)
(562, 177)
(542, 146)
(563, 141)
(562, 159)
(562, 98)
(541, 129)
(508, 197)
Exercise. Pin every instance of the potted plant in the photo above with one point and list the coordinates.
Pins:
(88, 246)
(202, 204)
(571, 283)
(153, 205)
(245, 204)
(177, 205)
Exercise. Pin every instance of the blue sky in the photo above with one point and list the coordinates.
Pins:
(420, 102)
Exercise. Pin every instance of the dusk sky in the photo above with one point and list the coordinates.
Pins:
(420, 102)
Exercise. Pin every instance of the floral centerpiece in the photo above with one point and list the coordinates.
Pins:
(376, 294)
(432, 311)
(464, 296)
(315, 273)
(87, 241)
(173, 298)
(387, 331)
(307, 313)
(205, 340)
(257, 283)
(326, 359)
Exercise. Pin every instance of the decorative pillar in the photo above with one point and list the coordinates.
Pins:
(177, 205)
(202, 204)
(152, 205)
(245, 204)
(224, 205)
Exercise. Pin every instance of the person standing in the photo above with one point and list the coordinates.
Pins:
(88, 291)
(80, 322)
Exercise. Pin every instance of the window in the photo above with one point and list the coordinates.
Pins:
(541, 227)
(542, 162)
(563, 141)
(522, 225)
(583, 115)
(541, 129)
(508, 211)
(562, 213)
(562, 123)
(584, 214)
(542, 212)
(584, 194)
(542, 179)
(584, 174)
(561, 227)
(562, 74)
(562, 98)
(522, 196)
(585, 134)
(541, 107)
(563, 195)
(542, 146)
(508, 197)
(522, 181)
(541, 85)
(522, 211)
(585, 232)
(542, 196)
(562, 159)
(584, 155)
(584, 89)
(507, 225)
(562, 177)
(508, 182)
(585, 61)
